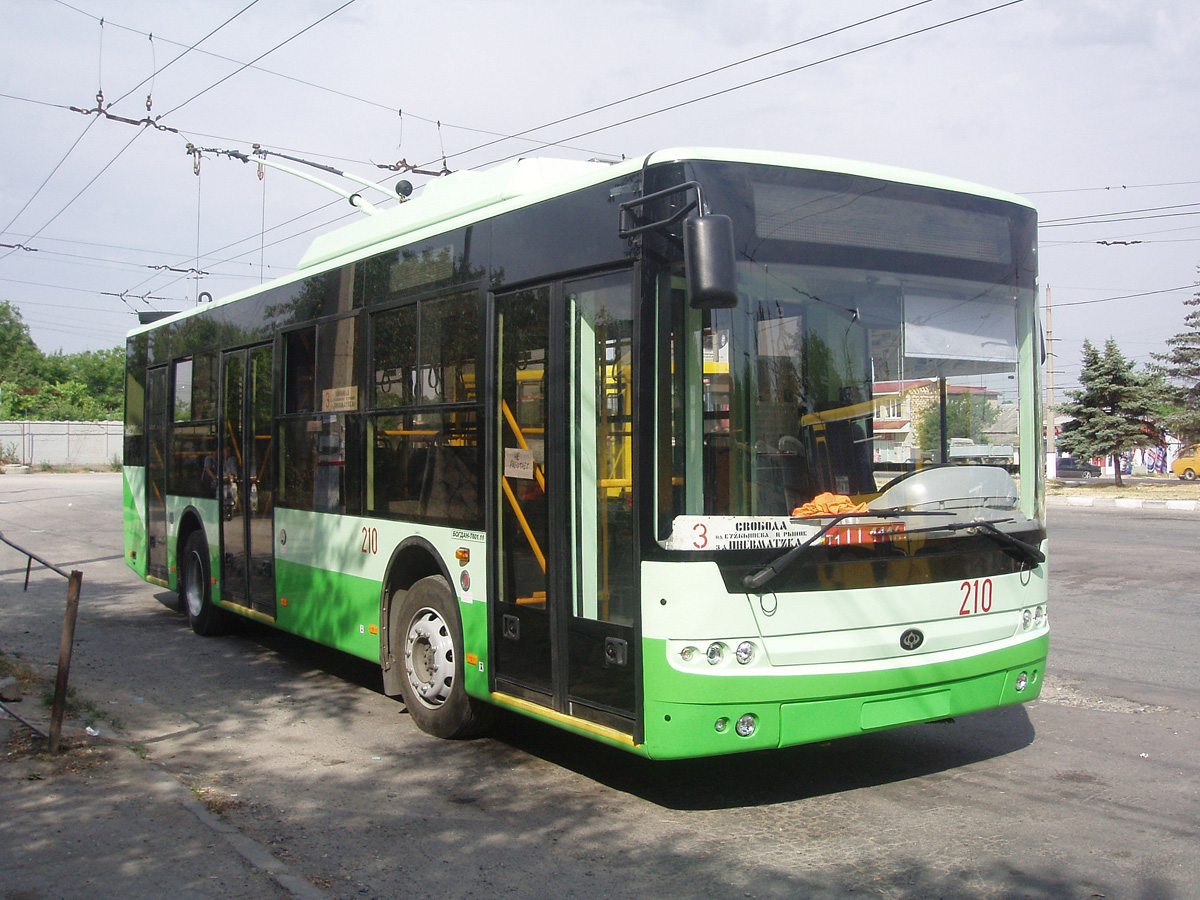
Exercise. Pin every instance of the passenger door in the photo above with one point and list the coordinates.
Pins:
(566, 607)
(157, 416)
(247, 473)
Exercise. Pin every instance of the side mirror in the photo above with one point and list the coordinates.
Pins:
(708, 258)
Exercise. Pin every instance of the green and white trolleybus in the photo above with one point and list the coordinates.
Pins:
(659, 452)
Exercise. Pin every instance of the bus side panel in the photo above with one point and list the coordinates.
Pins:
(329, 575)
(331, 608)
(134, 488)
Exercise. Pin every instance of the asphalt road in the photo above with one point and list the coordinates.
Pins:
(1092, 791)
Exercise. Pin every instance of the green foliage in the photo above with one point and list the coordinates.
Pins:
(61, 387)
(1113, 411)
(966, 417)
(1179, 371)
(19, 355)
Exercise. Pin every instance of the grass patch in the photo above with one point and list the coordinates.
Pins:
(81, 709)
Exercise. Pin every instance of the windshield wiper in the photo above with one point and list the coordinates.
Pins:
(758, 579)
(1020, 550)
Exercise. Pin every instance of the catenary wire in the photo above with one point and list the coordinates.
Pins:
(765, 78)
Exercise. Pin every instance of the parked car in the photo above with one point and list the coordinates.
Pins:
(1070, 467)
(1187, 464)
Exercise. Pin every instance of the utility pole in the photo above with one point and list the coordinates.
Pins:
(1051, 451)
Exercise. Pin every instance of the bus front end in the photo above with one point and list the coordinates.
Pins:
(845, 485)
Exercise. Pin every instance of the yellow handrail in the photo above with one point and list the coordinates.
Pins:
(529, 536)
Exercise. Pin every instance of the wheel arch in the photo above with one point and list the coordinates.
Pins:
(413, 559)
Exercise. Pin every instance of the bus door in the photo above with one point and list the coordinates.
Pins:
(247, 475)
(157, 411)
(564, 614)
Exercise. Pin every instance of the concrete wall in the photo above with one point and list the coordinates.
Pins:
(93, 444)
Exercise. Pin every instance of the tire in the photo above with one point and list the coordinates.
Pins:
(1189, 474)
(427, 625)
(196, 589)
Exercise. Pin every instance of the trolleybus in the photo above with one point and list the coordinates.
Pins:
(628, 448)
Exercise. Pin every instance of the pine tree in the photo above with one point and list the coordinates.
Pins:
(1179, 368)
(1112, 411)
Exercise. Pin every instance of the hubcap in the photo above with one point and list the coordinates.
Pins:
(429, 658)
(192, 588)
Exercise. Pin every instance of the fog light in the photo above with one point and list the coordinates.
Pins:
(1026, 619)
(715, 653)
(1022, 682)
(687, 653)
(746, 725)
(744, 652)
(721, 724)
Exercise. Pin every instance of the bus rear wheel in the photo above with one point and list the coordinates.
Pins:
(427, 624)
(196, 589)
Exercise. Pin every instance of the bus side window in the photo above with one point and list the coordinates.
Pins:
(300, 370)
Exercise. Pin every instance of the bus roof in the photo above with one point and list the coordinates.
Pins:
(464, 197)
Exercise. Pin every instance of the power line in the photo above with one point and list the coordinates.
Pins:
(182, 55)
(1184, 287)
(647, 93)
(315, 86)
(1121, 219)
(45, 181)
(766, 78)
(245, 66)
(1085, 219)
(1117, 187)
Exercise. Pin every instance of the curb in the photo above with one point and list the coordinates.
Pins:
(1123, 503)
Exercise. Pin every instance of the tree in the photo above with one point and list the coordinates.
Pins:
(1112, 411)
(966, 417)
(19, 355)
(1179, 369)
(79, 386)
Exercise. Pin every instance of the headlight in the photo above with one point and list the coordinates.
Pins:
(744, 652)
(715, 653)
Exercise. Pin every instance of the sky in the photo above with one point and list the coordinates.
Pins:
(1086, 107)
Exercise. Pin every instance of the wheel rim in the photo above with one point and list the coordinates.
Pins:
(429, 658)
(193, 589)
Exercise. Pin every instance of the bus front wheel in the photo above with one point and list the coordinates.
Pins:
(204, 618)
(427, 624)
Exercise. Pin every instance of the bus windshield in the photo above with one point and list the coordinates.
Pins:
(879, 335)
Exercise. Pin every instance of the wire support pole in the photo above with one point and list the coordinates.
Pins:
(66, 646)
(57, 711)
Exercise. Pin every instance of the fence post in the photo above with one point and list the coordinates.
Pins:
(64, 659)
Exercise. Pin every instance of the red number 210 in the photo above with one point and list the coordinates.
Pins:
(977, 597)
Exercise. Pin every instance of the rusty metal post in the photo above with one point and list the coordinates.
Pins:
(74, 583)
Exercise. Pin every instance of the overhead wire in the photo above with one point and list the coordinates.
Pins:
(245, 66)
(183, 54)
(690, 78)
(766, 78)
(320, 87)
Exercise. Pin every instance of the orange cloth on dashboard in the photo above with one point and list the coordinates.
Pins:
(828, 504)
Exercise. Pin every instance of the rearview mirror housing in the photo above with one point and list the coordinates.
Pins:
(708, 258)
